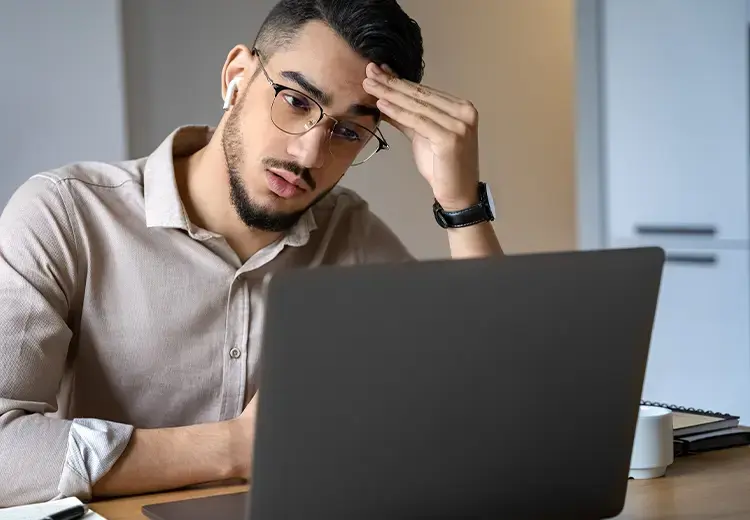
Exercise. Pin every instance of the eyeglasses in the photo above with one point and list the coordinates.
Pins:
(296, 113)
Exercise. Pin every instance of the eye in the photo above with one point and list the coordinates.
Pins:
(346, 133)
(296, 102)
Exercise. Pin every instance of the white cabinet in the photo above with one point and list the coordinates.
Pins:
(674, 76)
(672, 157)
(700, 348)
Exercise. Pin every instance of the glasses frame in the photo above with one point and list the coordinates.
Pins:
(279, 88)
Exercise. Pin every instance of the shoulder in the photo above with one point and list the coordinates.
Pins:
(58, 188)
(81, 176)
(50, 199)
(351, 225)
(92, 174)
(340, 201)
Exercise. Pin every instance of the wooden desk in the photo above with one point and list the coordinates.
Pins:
(707, 486)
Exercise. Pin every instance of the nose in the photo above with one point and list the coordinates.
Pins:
(311, 148)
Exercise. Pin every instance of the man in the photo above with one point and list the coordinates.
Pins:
(128, 322)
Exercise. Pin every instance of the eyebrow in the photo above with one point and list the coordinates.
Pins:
(321, 97)
(325, 98)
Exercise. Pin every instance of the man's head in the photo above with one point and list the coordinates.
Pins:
(301, 117)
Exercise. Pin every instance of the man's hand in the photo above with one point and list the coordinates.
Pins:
(169, 458)
(242, 439)
(443, 131)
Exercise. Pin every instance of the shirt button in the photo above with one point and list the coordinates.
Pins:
(235, 353)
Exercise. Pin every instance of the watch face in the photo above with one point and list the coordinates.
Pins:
(490, 200)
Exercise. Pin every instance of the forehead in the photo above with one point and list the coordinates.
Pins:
(326, 60)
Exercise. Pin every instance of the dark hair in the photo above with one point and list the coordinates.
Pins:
(379, 30)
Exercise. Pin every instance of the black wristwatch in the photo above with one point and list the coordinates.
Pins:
(484, 211)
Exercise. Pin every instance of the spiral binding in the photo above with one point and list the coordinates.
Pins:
(696, 411)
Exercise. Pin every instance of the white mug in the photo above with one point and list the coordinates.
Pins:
(653, 446)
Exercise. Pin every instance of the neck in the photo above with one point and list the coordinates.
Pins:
(203, 183)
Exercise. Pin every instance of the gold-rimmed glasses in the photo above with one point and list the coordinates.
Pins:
(296, 113)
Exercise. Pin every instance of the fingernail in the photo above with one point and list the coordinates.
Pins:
(386, 68)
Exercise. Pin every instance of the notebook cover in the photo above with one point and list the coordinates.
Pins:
(689, 421)
(722, 439)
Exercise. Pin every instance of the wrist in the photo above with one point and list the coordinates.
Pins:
(458, 203)
(241, 437)
(234, 465)
(459, 212)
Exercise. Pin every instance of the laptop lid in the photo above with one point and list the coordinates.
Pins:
(472, 388)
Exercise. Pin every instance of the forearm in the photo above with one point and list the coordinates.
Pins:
(170, 458)
(474, 241)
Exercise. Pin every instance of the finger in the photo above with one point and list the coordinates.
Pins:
(458, 108)
(420, 123)
(408, 132)
(374, 72)
(418, 106)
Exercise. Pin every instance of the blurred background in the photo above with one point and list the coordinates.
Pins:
(110, 79)
(604, 123)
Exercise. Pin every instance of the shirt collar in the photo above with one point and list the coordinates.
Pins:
(163, 204)
(162, 197)
(299, 235)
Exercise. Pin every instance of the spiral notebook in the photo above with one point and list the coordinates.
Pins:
(693, 421)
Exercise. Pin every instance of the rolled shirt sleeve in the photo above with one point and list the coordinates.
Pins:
(93, 448)
(43, 457)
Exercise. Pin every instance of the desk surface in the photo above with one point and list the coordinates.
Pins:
(711, 485)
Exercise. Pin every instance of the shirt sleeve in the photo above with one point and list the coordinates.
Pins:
(43, 457)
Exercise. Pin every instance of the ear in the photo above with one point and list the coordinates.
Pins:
(237, 63)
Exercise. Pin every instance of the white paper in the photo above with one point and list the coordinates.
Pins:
(37, 511)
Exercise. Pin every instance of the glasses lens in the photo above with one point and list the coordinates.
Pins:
(294, 112)
(354, 142)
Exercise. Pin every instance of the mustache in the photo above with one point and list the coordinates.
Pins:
(296, 169)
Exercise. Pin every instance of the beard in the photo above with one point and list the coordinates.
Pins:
(251, 213)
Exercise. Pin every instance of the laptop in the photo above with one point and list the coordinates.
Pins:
(477, 388)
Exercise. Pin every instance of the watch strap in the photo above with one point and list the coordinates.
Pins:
(475, 214)
(461, 218)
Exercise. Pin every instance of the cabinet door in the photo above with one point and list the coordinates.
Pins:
(675, 117)
(700, 347)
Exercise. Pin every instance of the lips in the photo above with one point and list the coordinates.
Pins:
(279, 184)
(290, 178)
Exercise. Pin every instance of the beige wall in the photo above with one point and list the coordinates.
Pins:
(514, 60)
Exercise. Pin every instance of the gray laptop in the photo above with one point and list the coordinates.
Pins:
(490, 388)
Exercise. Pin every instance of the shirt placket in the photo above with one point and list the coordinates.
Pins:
(235, 349)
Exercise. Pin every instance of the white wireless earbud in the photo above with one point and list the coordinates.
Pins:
(230, 91)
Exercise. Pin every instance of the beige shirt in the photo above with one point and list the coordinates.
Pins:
(117, 313)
